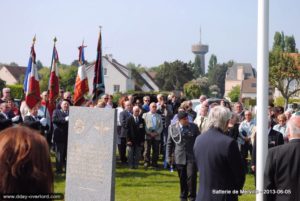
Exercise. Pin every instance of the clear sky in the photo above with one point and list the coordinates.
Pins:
(140, 31)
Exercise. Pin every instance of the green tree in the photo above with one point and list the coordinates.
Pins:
(290, 44)
(234, 94)
(203, 84)
(284, 73)
(282, 45)
(2, 84)
(39, 65)
(44, 74)
(16, 91)
(278, 41)
(191, 90)
(13, 64)
(172, 76)
(217, 75)
(196, 87)
(213, 61)
(196, 66)
(75, 63)
(67, 77)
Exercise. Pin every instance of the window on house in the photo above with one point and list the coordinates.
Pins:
(116, 88)
(253, 85)
(105, 71)
(247, 75)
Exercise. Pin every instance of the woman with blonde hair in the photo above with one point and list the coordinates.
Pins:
(25, 165)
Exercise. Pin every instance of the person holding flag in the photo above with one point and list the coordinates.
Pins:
(81, 84)
(53, 89)
(31, 80)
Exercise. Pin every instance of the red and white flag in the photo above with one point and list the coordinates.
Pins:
(81, 84)
(31, 81)
(53, 88)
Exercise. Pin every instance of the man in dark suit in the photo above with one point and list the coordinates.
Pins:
(135, 137)
(275, 138)
(182, 136)
(124, 115)
(33, 121)
(282, 172)
(5, 121)
(60, 119)
(218, 160)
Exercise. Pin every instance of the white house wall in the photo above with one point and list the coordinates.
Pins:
(7, 76)
(249, 95)
(113, 77)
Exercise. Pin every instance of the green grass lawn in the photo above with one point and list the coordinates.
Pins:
(149, 185)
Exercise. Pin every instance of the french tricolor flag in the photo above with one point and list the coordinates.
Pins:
(31, 81)
(81, 84)
(53, 88)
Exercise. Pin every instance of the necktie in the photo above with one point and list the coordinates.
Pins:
(153, 122)
(200, 127)
(136, 120)
(184, 130)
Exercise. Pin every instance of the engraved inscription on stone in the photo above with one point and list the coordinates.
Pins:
(102, 127)
(79, 126)
(82, 167)
(91, 154)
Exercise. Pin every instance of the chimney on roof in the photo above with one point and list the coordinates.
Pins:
(240, 73)
(110, 57)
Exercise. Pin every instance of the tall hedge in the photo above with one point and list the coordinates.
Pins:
(16, 91)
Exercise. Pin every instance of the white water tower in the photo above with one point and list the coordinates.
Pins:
(200, 49)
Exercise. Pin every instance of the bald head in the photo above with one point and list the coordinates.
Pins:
(136, 111)
(293, 127)
(4, 107)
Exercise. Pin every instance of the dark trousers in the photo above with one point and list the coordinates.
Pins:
(122, 150)
(163, 138)
(134, 154)
(245, 148)
(188, 181)
(60, 155)
(154, 144)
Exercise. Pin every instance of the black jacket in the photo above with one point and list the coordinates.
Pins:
(282, 172)
(136, 131)
(275, 138)
(32, 123)
(124, 115)
(4, 122)
(60, 126)
(220, 166)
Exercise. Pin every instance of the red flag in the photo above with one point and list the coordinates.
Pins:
(53, 88)
(81, 84)
(98, 85)
(31, 81)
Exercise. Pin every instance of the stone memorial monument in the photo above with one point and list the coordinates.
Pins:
(91, 154)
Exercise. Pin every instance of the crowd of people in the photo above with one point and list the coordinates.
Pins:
(213, 138)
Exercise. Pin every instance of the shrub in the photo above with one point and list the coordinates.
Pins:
(16, 91)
